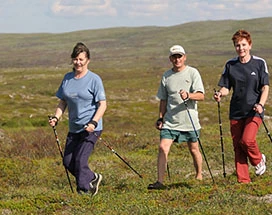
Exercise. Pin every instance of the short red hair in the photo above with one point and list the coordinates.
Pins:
(241, 34)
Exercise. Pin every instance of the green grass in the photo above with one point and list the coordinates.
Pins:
(32, 178)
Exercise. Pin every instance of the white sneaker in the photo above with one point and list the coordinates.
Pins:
(261, 167)
(95, 183)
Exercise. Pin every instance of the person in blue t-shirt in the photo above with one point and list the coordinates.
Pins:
(82, 92)
(247, 76)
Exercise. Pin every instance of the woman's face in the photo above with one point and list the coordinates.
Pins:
(81, 62)
(242, 48)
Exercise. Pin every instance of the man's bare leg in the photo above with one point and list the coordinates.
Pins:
(164, 149)
(197, 158)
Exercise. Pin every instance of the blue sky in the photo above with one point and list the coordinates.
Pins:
(57, 16)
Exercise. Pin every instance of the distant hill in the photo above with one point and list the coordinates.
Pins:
(207, 43)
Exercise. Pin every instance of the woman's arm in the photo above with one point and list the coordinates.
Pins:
(222, 92)
(98, 115)
(59, 111)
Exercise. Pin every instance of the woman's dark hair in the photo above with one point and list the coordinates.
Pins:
(79, 48)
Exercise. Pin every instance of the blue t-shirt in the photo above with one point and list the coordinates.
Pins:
(246, 80)
(82, 96)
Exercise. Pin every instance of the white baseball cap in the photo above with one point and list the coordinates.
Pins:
(177, 49)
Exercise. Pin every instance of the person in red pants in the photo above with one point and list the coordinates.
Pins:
(247, 76)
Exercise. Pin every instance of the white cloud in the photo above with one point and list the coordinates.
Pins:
(260, 7)
(71, 15)
(195, 10)
(129, 8)
(148, 8)
(163, 9)
(83, 8)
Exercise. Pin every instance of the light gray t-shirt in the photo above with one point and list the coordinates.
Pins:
(176, 116)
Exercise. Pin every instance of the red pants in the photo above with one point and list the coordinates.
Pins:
(243, 134)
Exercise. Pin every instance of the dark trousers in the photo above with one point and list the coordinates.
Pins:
(78, 149)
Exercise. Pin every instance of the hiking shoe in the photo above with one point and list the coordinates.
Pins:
(156, 186)
(94, 184)
(261, 167)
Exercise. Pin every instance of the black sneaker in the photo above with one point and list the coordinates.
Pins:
(94, 184)
(156, 186)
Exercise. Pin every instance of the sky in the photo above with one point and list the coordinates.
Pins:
(59, 16)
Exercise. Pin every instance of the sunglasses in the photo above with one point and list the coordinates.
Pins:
(177, 56)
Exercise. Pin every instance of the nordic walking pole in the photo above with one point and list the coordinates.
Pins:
(266, 129)
(268, 133)
(168, 171)
(61, 154)
(113, 151)
(221, 137)
(197, 136)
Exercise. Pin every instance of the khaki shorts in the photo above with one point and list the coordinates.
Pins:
(179, 136)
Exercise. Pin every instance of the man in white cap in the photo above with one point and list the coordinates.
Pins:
(180, 84)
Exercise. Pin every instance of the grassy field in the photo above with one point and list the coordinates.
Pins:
(130, 62)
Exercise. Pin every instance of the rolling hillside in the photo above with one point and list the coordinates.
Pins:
(207, 42)
(130, 62)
